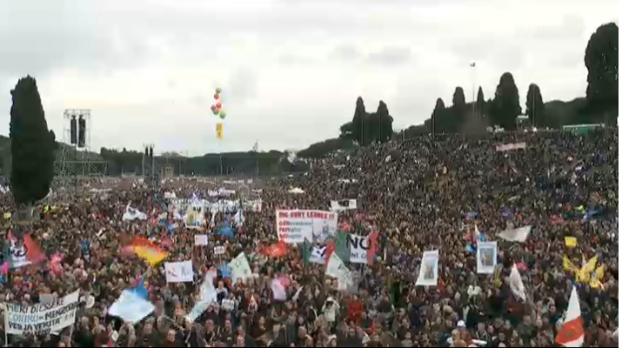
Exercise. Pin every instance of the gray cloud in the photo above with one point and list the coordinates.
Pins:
(500, 53)
(391, 55)
(243, 86)
(346, 52)
(245, 45)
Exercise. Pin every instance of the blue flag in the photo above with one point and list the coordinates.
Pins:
(225, 271)
(226, 231)
(141, 290)
(469, 248)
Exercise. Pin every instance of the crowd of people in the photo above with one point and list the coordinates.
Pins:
(419, 195)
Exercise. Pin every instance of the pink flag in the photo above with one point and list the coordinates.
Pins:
(55, 264)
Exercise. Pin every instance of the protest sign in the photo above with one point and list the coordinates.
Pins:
(42, 318)
(179, 272)
(296, 226)
(428, 273)
(200, 240)
(486, 257)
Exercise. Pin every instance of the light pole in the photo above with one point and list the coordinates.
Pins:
(473, 85)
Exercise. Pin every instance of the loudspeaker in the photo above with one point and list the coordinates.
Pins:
(81, 132)
(73, 131)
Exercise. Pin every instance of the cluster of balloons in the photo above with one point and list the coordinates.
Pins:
(217, 108)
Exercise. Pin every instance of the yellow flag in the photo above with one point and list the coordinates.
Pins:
(571, 242)
(590, 266)
(568, 265)
(597, 276)
(219, 131)
(584, 274)
(497, 277)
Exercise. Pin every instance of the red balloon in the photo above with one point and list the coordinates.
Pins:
(216, 96)
(219, 105)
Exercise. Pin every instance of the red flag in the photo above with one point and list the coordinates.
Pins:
(276, 250)
(330, 249)
(373, 246)
(34, 252)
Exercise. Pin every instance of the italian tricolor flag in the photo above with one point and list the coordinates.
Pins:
(571, 332)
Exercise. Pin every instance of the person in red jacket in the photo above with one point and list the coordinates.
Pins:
(355, 309)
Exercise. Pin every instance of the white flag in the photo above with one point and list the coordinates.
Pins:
(516, 235)
(133, 214)
(278, 290)
(208, 295)
(516, 284)
(240, 268)
(131, 307)
(337, 269)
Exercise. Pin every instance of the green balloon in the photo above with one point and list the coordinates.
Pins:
(215, 111)
(218, 90)
(223, 113)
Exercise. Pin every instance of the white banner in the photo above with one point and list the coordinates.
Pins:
(179, 272)
(219, 206)
(510, 147)
(342, 205)
(358, 250)
(200, 240)
(240, 268)
(486, 257)
(42, 319)
(294, 226)
(253, 205)
(428, 272)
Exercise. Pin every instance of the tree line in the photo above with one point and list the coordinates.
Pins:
(600, 104)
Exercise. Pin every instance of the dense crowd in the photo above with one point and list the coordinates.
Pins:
(423, 194)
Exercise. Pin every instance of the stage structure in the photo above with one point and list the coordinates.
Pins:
(75, 158)
(151, 168)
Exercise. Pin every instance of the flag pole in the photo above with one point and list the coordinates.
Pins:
(6, 327)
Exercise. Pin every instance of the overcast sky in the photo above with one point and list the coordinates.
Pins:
(291, 70)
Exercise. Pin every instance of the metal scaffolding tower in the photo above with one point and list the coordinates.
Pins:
(75, 159)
